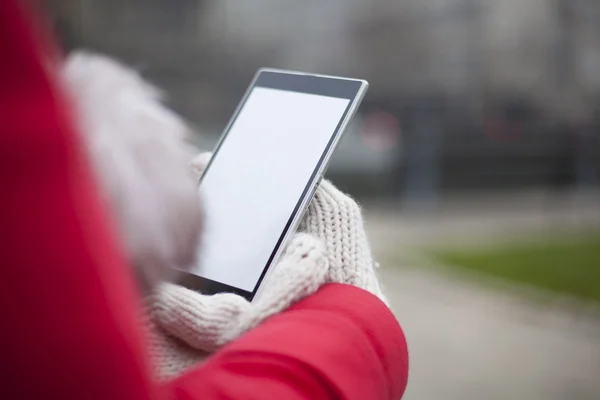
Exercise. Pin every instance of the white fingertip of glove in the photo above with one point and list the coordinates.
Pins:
(200, 162)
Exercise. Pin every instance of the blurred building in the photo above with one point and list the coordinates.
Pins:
(485, 90)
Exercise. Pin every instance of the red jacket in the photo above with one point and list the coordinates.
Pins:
(68, 301)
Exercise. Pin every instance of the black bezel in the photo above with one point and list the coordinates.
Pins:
(295, 82)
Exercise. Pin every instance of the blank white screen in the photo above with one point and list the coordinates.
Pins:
(257, 178)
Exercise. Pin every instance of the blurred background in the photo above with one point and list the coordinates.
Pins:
(476, 154)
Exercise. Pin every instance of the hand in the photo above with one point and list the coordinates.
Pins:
(336, 219)
(331, 246)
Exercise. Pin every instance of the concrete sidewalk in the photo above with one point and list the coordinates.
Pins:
(471, 341)
(467, 342)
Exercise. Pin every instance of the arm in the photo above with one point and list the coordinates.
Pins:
(341, 343)
(68, 310)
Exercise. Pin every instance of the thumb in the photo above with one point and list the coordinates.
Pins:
(203, 322)
(301, 271)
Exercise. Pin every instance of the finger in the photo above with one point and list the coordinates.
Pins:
(301, 271)
(337, 220)
(200, 162)
(203, 322)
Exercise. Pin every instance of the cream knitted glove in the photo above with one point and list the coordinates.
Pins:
(337, 220)
(331, 247)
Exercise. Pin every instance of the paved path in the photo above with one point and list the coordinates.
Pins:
(469, 341)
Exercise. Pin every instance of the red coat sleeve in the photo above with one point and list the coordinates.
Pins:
(341, 343)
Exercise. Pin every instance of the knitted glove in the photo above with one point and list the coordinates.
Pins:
(337, 220)
(331, 246)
